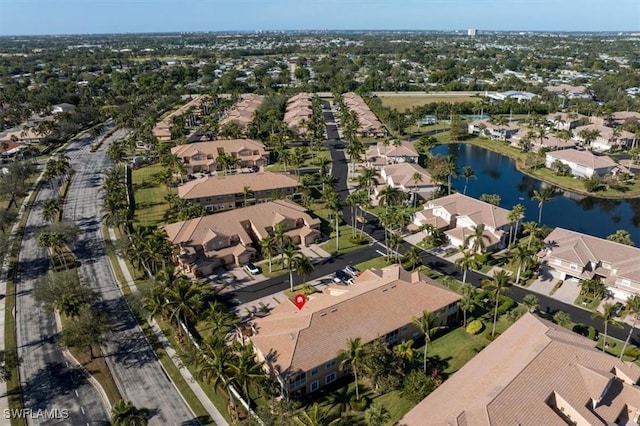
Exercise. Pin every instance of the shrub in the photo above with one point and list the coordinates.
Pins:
(417, 386)
(475, 327)
(489, 337)
(580, 329)
(506, 304)
(358, 240)
(593, 333)
(358, 404)
(632, 352)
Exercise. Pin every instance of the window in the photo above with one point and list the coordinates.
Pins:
(330, 364)
(405, 328)
(314, 386)
(393, 336)
(557, 261)
(219, 197)
(298, 381)
(573, 267)
(626, 282)
(208, 199)
(330, 378)
(314, 371)
(416, 334)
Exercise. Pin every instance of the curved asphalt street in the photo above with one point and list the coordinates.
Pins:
(131, 359)
(47, 381)
(339, 171)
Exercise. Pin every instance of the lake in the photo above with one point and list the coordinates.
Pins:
(497, 174)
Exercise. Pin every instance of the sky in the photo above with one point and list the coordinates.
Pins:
(34, 17)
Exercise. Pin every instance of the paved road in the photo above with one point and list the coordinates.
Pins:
(46, 379)
(129, 356)
(339, 171)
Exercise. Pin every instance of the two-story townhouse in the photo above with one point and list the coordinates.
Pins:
(232, 238)
(216, 193)
(393, 152)
(567, 91)
(300, 347)
(457, 215)
(203, 156)
(242, 112)
(584, 163)
(368, 123)
(298, 112)
(565, 121)
(489, 130)
(605, 138)
(410, 178)
(572, 255)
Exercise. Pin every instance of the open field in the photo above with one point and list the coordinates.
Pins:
(402, 103)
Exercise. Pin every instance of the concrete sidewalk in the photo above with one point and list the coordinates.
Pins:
(186, 374)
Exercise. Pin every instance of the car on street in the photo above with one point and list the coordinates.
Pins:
(352, 270)
(618, 308)
(253, 269)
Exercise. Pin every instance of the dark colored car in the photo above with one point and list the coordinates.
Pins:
(618, 308)
(342, 275)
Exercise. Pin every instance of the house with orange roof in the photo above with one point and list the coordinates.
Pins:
(232, 238)
(535, 373)
(457, 215)
(242, 112)
(300, 346)
(216, 193)
(202, 156)
(572, 255)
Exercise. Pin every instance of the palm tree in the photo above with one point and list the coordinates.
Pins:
(429, 325)
(467, 173)
(608, 317)
(416, 178)
(477, 239)
(268, 246)
(390, 196)
(315, 416)
(467, 303)
(532, 302)
(376, 415)
(289, 254)
(184, 301)
(562, 318)
(633, 308)
(466, 262)
(213, 361)
(498, 284)
(368, 179)
(404, 351)
(523, 258)
(353, 358)
(450, 169)
(515, 216)
(303, 266)
(545, 194)
(245, 371)
(50, 209)
(281, 238)
(334, 204)
(246, 192)
(123, 413)
(532, 229)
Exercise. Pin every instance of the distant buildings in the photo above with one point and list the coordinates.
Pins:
(535, 373)
(300, 347)
(232, 238)
(472, 32)
(570, 92)
(190, 112)
(520, 96)
(217, 193)
(64, 107)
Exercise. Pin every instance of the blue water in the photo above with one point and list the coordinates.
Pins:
(497, 174)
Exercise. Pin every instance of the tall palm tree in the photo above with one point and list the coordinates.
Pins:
(515, 215)
(466, 262)
(608, 317)
(450, 169)
(545, 194)
(633, 308)
(416, 178)
(268, 246)
(315, 416)
(523, 258)
(390, 196)
(334, 203)
(124, 413)
(368, 179)
(429, 324)
(467, 303)
(289, 255)
(498, 284)
(353, 357)
(477, 239)
(246, 192)
(245, 371)
(533, 230)
(184, 300)
(303, 266)
(50, 209)
(467, 173)
(282, 239)
(404, 351)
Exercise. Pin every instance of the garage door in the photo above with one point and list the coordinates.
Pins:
(620, 294)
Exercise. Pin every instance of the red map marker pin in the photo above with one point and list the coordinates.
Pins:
(299, 300)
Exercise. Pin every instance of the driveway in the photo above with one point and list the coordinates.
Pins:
(568, 292)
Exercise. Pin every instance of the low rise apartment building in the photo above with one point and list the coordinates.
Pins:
(583, 163)
(535, 373)
(457, 215)
(190, 111)
(217, 193)
(300, 346)
(391, 152)
(410, 178)
(232, 237)
(572, 255)
(298, 113)
(203, 156)
(489, 130)
(369, 125)
(567, 91)
(242, 112)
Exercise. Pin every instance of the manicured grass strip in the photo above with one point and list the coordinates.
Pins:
(375, 263)
(151, 207)
(402, 103)
(396, 405)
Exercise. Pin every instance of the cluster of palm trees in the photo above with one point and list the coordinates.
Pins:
(116, 203)
(148, 248)
(57, 170)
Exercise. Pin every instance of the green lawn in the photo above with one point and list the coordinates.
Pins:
(310, 161)
(587, 302)
(344, 245)
(151, 207)
(395, 404)
(403, 103)
(375, 263)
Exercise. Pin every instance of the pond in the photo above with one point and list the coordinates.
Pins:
(497, 174)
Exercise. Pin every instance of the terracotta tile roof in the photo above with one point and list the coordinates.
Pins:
(213, 148)
(584, 158)
(480, 212)
(262, 217)
(405, 149)
(242, 112)
(402, 174)
(520, 376)
(379, 302)
(366, 118)
(210, 186)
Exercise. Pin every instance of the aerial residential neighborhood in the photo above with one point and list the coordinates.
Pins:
(267, 213)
